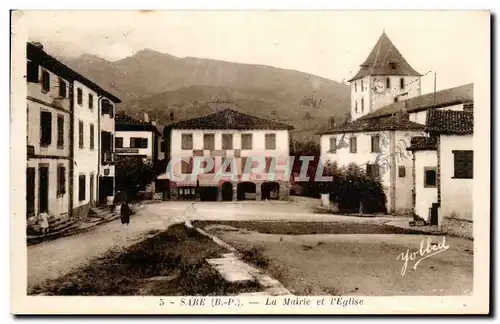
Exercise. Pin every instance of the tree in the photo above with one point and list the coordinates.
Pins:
(133, 174)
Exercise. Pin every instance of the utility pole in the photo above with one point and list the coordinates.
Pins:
(434, 88)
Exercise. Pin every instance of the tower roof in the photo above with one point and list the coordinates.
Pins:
(385, 59)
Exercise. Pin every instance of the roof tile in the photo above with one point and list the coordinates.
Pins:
(229, 119)
(449, 122)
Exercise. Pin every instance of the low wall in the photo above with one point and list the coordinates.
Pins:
(80, 213)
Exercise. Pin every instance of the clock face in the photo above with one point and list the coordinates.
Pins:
(378, 86)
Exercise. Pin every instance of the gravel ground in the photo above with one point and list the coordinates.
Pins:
(357, 264)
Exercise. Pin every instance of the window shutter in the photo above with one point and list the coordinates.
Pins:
(32, 72)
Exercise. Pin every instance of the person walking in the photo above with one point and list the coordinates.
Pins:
(125, 212)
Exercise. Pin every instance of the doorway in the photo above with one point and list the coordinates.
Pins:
(92, 193)
(227, 191)
(30, 192)
(43, 189)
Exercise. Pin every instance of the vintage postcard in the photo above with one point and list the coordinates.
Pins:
(250, 162)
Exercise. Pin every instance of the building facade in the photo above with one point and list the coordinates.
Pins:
(444, 161)
(384, 77)
(379, 144)
(62, 131)
(138, 138)
(228, 142)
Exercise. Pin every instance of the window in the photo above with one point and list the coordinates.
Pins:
(187, 141)
(32, 72)
(362, 89)
(60, 131)
(45, 81)
(79, 96)
(372, 170)
(138, 142)
(208, 141)
(81, 187)
(80, 134)
(270, 141)
(187, 166)
(106, 108)
(353, 144)
(392, 65)
(355, 87)
(62, 88)
(246, 141)
(91, 101)
(91, 136)
(61, 180)
(375, 143)
(463, 164)
(396, 99)
(227, 141)
(119, 142)
(45, 128)
(402, 171)
(402, 83)
(430, 177)
(356, 106)
(387, 83)
(362, 104)
(333, 145)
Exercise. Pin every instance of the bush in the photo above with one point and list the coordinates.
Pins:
(349, 187)
(133, 174)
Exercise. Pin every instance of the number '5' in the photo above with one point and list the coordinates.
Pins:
(162, 302)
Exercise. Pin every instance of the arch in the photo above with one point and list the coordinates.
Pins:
(226, 191)
(270, 190)
(246, 191)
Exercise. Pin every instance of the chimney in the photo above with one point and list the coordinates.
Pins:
(146, 117)
(331, 122)
(37, 45)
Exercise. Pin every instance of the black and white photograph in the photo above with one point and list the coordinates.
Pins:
(257, 162)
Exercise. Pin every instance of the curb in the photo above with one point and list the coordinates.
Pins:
(270, 286)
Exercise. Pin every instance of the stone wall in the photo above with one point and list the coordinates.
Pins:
(459, 227)
(80, 213)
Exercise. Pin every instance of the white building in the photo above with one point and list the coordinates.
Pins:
(443, 163)
(227, 137)
(62, 137)
(138, 138)
(379, 144)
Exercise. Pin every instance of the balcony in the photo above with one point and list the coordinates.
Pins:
(109, 157)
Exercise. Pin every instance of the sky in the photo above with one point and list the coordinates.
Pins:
(330, 44)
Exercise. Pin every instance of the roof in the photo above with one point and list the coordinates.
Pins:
(399, 122)
(37, 54)
(382, 56)
(422, 143)
(450, 122)
(229, 119)
(126, 123)
(463, 94)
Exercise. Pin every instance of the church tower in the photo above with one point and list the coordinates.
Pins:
(384, 78)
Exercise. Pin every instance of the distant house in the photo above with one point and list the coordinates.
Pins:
(138, 137)
(444, 169)
(229, 139)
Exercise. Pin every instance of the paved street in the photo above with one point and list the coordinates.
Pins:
(49, 260)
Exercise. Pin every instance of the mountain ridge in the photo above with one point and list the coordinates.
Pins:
(158, 83)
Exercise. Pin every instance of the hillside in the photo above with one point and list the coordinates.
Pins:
(160, 83)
